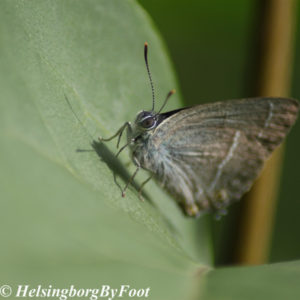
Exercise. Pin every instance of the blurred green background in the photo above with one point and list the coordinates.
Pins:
(213, 46)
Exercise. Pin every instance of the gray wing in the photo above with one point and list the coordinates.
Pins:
(209, 155)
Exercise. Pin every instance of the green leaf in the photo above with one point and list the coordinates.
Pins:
(62, 216)
(274, 281)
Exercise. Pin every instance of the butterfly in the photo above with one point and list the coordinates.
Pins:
(207, 156)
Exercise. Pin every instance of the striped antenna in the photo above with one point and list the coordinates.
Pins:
(149, 74)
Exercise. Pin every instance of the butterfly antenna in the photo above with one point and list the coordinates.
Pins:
(80, 122)
(167, 98)
(149, 74)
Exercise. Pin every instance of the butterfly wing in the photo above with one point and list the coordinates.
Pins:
(209, 155)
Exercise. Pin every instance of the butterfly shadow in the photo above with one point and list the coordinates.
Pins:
(118, 170)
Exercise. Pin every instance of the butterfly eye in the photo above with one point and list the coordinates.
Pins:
(148, 122)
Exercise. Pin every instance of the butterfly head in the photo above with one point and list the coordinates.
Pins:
(146, 120)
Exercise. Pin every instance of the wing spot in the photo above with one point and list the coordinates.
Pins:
(226, 159)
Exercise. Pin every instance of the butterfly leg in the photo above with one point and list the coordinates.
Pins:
(138, 166)
(118, 133)
(116, 182)
(115, 176)
(122, 148)
(142, 185)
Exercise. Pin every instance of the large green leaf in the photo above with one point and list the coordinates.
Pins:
(63, 220)
(275, 281)
(62, 216)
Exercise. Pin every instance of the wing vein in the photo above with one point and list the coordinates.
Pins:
(226, 159)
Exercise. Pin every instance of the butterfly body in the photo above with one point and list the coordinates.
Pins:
(208, 156)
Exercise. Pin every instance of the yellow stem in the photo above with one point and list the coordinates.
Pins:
(274, 80)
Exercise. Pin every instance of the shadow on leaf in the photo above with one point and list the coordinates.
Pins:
(118, 170)
(115, 166)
